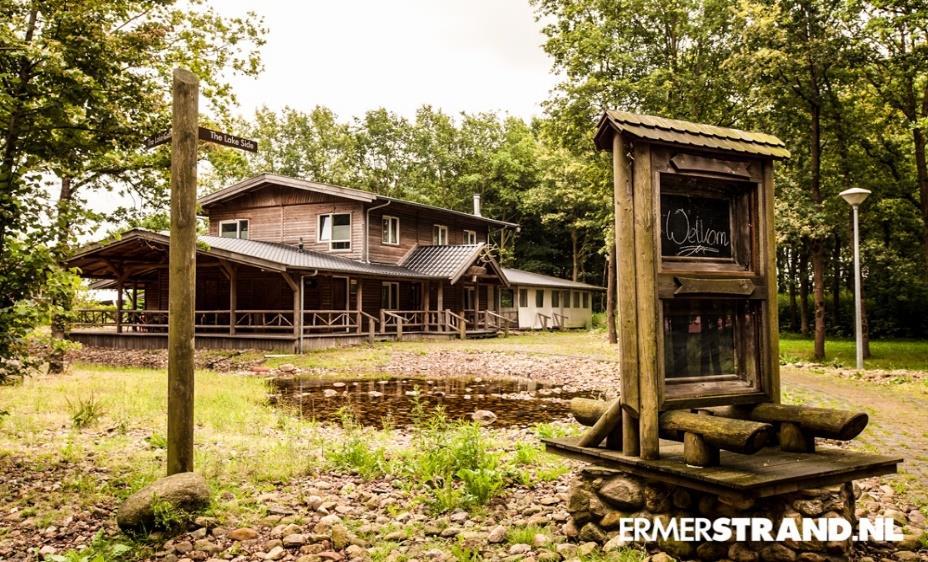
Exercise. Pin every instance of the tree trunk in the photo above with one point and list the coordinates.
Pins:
(791, 287)
(611, 295)
(62, 300)
(804, 290)
(921, 168)
(817, 250)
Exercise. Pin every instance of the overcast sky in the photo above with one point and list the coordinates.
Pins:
(356, 55)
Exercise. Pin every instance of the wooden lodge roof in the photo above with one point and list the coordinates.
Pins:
(263, 180)
(697, 135)
(527, 278)
(147, 248)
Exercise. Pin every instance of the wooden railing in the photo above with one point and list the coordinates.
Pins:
(499, 322)
(456, 323)
(543, 320)
(205, 321)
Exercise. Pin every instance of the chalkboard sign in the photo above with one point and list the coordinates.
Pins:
(695, 227)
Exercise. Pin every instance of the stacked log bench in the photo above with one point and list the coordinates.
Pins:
(740, 429)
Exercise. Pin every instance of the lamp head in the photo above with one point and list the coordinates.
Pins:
(855, 196)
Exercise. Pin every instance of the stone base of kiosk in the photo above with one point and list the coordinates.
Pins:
(600, 497)
(770, 484)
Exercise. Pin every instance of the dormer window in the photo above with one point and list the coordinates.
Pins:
(391, 230)
(470, 236)
(237, 228)
(335, 228)
(440, 235)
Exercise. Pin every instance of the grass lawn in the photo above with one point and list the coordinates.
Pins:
(886, 354)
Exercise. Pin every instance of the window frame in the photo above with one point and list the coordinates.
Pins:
(437, 234)
(539, 293)
(586, 299)
(330, 241)
(384, 232)
(555, 298)
(576, 301)
(238, 228)
(470, 236)
(523, 297)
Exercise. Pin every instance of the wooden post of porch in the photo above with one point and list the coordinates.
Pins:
(476, 305)
(440, 304)
(297, 305)
(360, 303)
(119, 291)
(233, 296)
(425, 305)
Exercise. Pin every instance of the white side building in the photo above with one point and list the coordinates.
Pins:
(542, 301)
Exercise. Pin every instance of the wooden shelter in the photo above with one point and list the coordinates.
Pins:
(697, 320)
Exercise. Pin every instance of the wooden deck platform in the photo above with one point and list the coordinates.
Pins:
(767, 473)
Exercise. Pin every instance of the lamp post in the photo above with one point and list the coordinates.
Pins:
(855, 196)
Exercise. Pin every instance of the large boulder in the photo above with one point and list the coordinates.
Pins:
(183, 493)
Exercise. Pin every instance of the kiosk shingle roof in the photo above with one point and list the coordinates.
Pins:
(674, 131)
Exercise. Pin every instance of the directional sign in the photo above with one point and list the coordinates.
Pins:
(207, 135)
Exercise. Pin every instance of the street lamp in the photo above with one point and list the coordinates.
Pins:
(855, 196)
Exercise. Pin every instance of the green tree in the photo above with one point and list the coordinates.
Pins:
(81, 84)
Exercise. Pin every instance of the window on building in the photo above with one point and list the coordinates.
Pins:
(555, 299)
(439, 235)
(576, 299)
(523, 298)
(505, 298)
(539, 298)
(237, 228)
(391, 230)
(586, 299)
(390, 295)
(335, 228)
(565, 299)
(470, 236)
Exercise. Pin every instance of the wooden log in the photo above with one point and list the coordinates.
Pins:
(771, 327)
(794, 439)
(182, 268)
(587, 410)
(740, 436)
(821, 422)
(604, 426)
(697, 452)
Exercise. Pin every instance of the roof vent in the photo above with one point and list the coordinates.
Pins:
(477, 205)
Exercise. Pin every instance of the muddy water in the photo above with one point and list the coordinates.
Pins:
(391, 401)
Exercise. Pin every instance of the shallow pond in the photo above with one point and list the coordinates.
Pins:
(392, 401)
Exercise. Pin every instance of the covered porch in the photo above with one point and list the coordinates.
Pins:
(261, 295)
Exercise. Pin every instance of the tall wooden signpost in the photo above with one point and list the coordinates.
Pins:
(184, 136)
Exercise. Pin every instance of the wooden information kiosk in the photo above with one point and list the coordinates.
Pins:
(697, 322)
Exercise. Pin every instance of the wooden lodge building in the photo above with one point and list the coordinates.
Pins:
(294, 265)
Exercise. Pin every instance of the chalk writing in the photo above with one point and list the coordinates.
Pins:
(695, 226)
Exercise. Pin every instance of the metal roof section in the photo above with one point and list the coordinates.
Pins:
(527, 278)
(677, 132)
(262, 180)
(451, 262)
